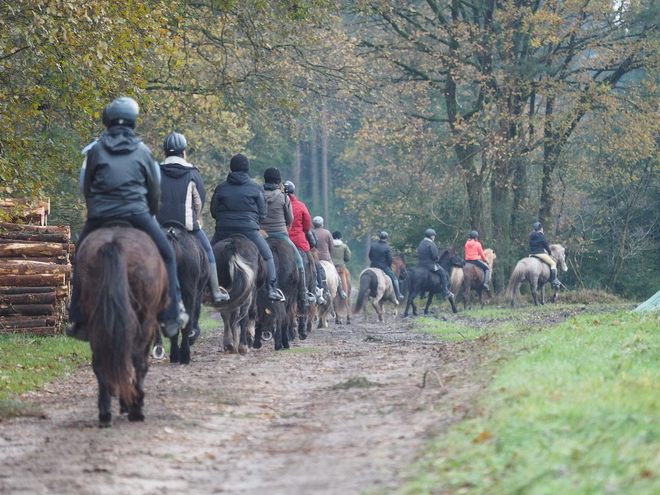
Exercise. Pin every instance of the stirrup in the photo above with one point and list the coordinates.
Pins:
(311, 298)
(343, 295)
(275, 294)
(220, 295)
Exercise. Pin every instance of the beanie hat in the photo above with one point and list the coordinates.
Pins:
(336, 234)
(272, 175)
(239, 163)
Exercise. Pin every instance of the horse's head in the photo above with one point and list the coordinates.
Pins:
(449, 257)
(559, 254)
(399, 265)
(490, 257)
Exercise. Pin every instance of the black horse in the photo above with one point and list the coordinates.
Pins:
(307, 313)
(242, 271)
(192, 268)
(279, 318)
(419, 279)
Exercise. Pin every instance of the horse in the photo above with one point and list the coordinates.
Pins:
(192, 267)
(537, 273)
(472, 278)
(420, 279)
(343, 306)
(124, 286)
(377, 286)
(331, 279)
(242, 271)
(306, 314)
(279, 317)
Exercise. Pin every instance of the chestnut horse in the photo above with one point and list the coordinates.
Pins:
(124, 287)
(472, 278)
(343, 306)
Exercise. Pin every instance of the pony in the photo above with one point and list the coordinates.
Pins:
(537, 273)
(124, 286)
(306, 314)
(343, 306)
(331, 278)
(242, 271)
(472, 278)
(279, 317)
(192, 267)
(377, 286)
(420, 279)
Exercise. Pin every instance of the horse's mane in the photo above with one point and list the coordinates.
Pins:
(446, 253)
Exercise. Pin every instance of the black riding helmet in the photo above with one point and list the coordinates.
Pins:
(474, 234)
(174, 144)
(383, 235)
(429, 232)
(537, 226)
(122, 111)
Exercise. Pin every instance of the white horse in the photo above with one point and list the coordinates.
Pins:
(537, 273)
(331, 277)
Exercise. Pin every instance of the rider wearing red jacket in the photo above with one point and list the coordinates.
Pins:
(474, 254)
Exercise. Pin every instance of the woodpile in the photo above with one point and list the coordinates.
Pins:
(35, 273)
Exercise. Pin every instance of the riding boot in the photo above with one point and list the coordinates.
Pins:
(302, 294)
(399, 296)
(486, 277)
(340, 288)
(218, 294)
(554, 281)
(274, 294)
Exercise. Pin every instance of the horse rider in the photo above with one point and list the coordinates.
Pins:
(324, 247)
(341, 254)
(380, 255)
(238, 207)
(182, 199)
(474, 254)
(300, 228)
(539, 248)
(427, 257)
(122, 184)
(278, 222)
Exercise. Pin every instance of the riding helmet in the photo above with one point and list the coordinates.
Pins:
(383, 235)
(122, 111)
(474, 234)
(272, 175)
(289, 187)
(174, 144)
(317, 221)
(537, 226)
(429, 232)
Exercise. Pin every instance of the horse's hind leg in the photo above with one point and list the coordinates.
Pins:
(175, 351)
(185, 344)
(428, 302)
(104, 400)
(140, 363)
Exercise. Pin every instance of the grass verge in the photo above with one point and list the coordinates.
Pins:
(573, 410)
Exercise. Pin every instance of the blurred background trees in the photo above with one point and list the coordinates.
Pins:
(387, 115)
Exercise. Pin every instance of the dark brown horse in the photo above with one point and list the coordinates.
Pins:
(192, 269)
(471, 278)
(343, 306)
(242, 271)
(279, 318)
(123, 288)
(306, 315)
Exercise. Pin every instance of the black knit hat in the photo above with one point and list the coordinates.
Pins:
(336, 234)
(272, 175)
(239, 163)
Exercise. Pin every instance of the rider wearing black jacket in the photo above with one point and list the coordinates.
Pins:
(427, 257)
(380, 255)
(539, 248)
(122, 182)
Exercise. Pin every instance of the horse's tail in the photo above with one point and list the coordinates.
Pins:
(113, 322)
(365, 288)
(243, 277)
(456, 281)
(517, 277)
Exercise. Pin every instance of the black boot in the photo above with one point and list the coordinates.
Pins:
(486, 277)
(340, 289)
(302, 294)
(399, 296)
(274, 294)
(554, 281)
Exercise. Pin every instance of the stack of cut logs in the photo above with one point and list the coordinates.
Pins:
(35, 271)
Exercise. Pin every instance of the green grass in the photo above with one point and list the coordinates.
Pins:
(449, 331)
(29, 362)
(573, 410)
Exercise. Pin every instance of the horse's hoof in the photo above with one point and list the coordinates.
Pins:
(105, 420)
(257, 344)
(136, 416)
(302, 336)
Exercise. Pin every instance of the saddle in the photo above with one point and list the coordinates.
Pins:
(541, 259)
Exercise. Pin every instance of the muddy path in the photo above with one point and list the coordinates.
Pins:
(342, 412)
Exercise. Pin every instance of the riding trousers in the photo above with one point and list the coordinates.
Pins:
(479, 264)
(204, 241)
(395, 281)
(546, 258)
(148, 224)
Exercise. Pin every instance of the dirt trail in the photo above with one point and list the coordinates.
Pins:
(341, 413)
